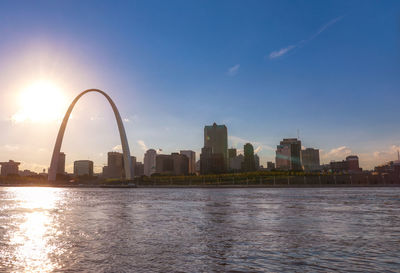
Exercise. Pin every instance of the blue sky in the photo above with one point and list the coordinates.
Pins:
(266, 69)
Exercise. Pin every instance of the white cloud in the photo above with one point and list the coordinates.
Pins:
(335, 154)
(258, 149)
(117, 148)
(232, 71)
(284, 50)
(126, 120)
(142, 145)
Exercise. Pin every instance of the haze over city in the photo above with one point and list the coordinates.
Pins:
(266, 70)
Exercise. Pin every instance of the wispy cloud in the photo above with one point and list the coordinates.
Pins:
(324, 27)
(232, 71)
(142, 145)
(279, 53)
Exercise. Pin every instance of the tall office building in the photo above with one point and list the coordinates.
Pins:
(288, 154)
(282, 158)
(139, 169)
(211, 163)
(133, 161)
(215, 148)
(83, 167)
(115, 165)
(61, 164)
(9, 168)
(249, 164)
(257, 161)
(232, 153)
(216, 138)
(310, 159)
(205, 160)
(150, 162)
(191, 155)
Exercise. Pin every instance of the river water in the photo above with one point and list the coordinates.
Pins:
(199, 230)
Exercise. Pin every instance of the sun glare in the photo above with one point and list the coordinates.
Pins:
(40, 102)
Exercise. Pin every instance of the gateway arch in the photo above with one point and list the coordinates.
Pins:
(121, 129)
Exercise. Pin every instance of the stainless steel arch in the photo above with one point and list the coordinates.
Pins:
(122, 134)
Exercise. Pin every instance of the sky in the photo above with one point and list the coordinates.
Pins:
(328, 71)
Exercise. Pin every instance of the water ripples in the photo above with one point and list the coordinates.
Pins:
(199, 230)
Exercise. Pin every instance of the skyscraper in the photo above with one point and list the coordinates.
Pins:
(257, 161)
(139, 169)
(215, 148)
(115, 165)
(133, 161)
(150, 162)
(216, 138)
(211, 163)
(191, 155)
(205, 160)
(310, 159)
(248, 163)
(232, 152)
(288, 154)
(61, 164)
(282, 158)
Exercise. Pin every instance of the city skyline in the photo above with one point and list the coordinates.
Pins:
(300, 72)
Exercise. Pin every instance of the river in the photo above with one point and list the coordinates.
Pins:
(199, 230)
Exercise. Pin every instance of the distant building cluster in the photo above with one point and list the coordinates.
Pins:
(350, 165)
(215, 158)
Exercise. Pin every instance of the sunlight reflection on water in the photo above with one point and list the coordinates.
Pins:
(31, 238)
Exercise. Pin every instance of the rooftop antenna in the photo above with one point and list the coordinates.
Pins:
(298, 133)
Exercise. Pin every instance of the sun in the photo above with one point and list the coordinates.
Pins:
(42, 101)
